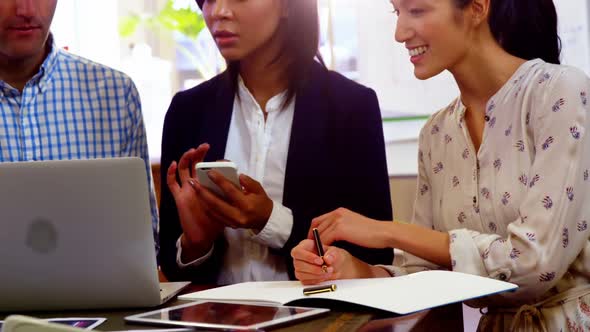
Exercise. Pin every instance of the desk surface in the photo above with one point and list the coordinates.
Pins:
(446, 318)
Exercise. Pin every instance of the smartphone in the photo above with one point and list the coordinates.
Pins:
(227, 168)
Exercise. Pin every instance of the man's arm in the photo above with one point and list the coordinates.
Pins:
(137, 147)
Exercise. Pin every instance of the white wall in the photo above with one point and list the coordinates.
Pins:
(89, 28)
(575, 32)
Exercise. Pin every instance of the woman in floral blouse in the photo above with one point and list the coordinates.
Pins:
(503, 171)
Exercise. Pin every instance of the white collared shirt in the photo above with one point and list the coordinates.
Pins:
(259, 149)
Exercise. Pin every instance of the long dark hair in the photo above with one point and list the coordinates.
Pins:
(524, 28)
(300, 32)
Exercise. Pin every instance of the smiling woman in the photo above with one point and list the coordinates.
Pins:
(502, 170)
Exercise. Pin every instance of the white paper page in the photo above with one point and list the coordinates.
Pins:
(267, 291)
(415, 292)
(402, 295)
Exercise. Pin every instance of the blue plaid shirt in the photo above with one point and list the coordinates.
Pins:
(74, 108)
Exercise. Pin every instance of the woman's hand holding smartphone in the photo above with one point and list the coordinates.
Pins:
(217, 198)
(199, 229)
(226, 168)
(236, 201)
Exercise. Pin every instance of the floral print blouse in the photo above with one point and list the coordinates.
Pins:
(518, 209)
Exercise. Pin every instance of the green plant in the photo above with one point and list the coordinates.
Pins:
(181, 19)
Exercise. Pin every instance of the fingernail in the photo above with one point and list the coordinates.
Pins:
(195, 185)
(318, 261)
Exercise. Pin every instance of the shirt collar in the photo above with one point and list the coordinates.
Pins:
(43, 77)
(458, 108)
(248, 101)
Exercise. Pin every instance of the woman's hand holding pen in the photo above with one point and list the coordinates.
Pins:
(345, 225)
(341, 264)
(199, 231)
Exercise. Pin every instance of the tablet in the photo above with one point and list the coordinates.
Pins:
(239, 316)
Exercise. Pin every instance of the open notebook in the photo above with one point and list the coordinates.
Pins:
(399, 295)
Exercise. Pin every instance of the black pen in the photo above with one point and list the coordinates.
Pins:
(320, 248)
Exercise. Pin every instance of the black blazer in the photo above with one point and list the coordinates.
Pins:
(336, 158)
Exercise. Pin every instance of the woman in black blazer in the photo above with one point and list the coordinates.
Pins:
(327, 149)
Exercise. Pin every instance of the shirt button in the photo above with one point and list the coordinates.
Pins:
(474, 200)
(487, 118)
(502, 276)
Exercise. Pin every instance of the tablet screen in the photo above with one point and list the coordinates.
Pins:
(227, 315)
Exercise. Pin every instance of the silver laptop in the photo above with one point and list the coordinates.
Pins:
(77, 235)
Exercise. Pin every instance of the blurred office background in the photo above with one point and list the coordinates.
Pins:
(164, 46)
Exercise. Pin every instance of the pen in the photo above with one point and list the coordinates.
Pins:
(319, 289)
(320, 248)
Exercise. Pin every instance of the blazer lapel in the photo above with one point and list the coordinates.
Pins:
(309, 125)
(218, 119)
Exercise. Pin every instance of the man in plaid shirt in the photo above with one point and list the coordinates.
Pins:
(55, 105)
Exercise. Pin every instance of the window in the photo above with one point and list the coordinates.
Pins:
(339, 35)
(357, 39)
